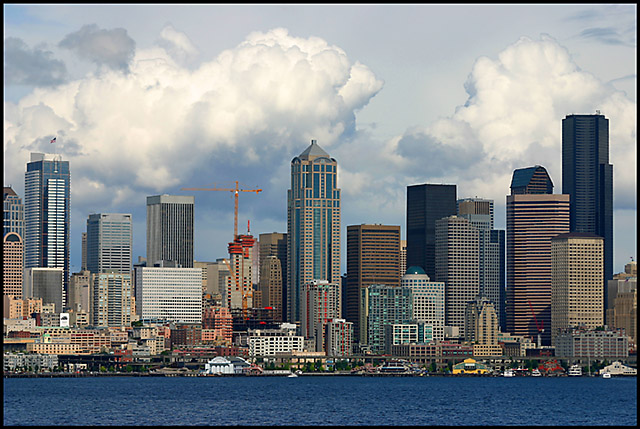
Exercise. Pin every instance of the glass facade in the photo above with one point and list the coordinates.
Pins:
(46, 213)
(313, 224)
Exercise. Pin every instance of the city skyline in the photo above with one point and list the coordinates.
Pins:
(409, 106)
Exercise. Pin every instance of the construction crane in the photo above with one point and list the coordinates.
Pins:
(539, 327)
(236, 192)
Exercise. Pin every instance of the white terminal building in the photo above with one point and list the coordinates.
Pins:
(169, 293)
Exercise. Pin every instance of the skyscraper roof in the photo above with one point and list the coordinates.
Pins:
(531, 180)
(313, 151)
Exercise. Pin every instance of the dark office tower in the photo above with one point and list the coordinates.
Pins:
(273, 272)
(46, 213)
(533, 219)
(373, 257)
(109, 242)
(170, 229)
(587, 177)
(313, 225)
(425, 205)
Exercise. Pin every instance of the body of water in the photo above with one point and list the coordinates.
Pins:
(321, 400)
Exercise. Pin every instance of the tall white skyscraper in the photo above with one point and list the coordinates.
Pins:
(313, 224)
(46, 213)
(170, 229)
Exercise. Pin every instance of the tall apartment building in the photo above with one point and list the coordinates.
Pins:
(383, 305)
(170, 229)
(427, 300)
(313, 224)
(169, 293)
(273, 272)
(403, 256)
(622, 294)
(79, 291)
(321, 302)
(217, 274)
(46, 213)
(577, 264)
(479, 212)
(111, 299)
(13, 213)
(373, 257)
(587, 177)
(532, 221)
(12, 264)
(425, 205)
(457, 266)
(338, 334)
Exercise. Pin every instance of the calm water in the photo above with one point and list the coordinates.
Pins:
(326, 400)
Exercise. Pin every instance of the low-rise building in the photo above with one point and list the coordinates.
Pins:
(617, 368)
(269, 342)
(595, 344)
(14, 361)
(226, 365)
(469, 366)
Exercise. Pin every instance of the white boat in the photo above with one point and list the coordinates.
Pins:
(292, 375)
(536, 373)
(575, 370)
(508, 373)
(606, 375)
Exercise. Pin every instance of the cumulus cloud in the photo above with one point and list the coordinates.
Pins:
(36, 66)
(178, 45)
(110, 48)
(513, 119)
(241, 116)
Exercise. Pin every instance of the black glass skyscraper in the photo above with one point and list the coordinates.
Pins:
(425, 204)
(587, 177)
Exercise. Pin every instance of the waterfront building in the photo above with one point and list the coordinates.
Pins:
(576, 282)
(407, 333)
(587, 177)
(12, 265)
(169, 293)
(469, 366)
(238, 291)
(373, 257)
(39, 362)
(111, 299)
(532, 220)
(109, 241)
(170, 229)
(226, 365)
(426, 204)
(617, 368)
(338, 334)
(270, 342)
(594, 344)
(457, 266)
(12, 213)
(321, 302)
(313, 225)
(383, 305)
(273, 272)
(428, 300)
(46, 213)
(46, 283)
(491, 251)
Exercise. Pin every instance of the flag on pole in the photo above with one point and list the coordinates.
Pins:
(53, 140)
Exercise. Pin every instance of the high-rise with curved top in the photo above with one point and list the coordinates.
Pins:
(313, 224)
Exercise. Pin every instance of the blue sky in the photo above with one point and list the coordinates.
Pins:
(146, 99)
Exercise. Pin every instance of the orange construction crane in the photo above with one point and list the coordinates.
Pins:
(236, 191)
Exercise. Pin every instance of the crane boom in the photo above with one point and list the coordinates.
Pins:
(236, 192)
